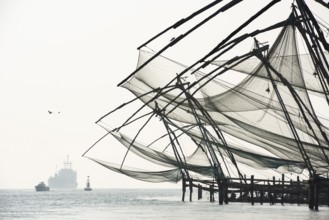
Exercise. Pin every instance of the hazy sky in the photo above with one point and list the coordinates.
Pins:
(67, 56)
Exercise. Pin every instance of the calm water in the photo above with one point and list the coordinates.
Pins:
(143, 204)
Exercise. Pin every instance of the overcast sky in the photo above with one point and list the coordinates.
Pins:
(67, 56)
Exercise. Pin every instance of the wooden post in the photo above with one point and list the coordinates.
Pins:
(316, 192)
(316, 196)
(269, 193)
(262, 194)
(199, 192)
(290, 198)
(274, 193)
(226, 193)
(311, 194)
(183, 188)
(298, 188)
(240, 198)
(252, 189)
(282, 189)
(220, 192)
(328, 197)
(191, 188)
(211, 193)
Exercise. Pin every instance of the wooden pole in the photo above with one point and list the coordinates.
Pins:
(274, 194)
(328, 197)
(252, 189)
(199, 192)
(191, 188)
(262, 195)
(298, 188)
(220, 192)
(290, 197)
(316, 192)
(311, 194)
(183, 188)
(282, 189)
(240, 198)
(316, 196)
(211, 193)
(226, 194)
(269, 193)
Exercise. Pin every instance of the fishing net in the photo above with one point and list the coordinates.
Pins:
(250, 110)
(269, 113)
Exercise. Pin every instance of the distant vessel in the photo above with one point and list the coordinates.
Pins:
(41, 187)
(87, 188)
(65, 178)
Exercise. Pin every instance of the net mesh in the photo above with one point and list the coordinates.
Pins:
(250, 111)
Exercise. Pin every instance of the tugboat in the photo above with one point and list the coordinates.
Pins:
(87, 188)
(41, 187)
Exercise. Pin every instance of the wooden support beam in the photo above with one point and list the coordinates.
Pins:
(328, 197)
(226, 194)
(183, 189)
(316, 183)
(241, 189)
(211, 193)
(298, 190)
(199, 192)
(264, 191)
(290, 194)
(311, 194)
(220, 192)
(274, 193)
(191, 188)
(282, 189)
(316, 196)
(262, 195)
(252, 189)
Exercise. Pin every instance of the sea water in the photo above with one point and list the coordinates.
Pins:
(139, 204)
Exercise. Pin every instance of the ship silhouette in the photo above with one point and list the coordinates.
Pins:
(65, 178)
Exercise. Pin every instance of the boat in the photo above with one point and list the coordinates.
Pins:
(234, 110)
(41, 187)
(88, 188)
(65, 178)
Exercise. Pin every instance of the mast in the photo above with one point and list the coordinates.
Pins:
(67, 163)
(88, 182)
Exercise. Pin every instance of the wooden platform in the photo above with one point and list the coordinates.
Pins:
(314, 192)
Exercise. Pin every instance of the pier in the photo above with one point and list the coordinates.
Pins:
(314, 192)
